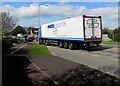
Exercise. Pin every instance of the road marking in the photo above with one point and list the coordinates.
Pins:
(55, 82)
(34, 63)
(50, 50)
(18, 49)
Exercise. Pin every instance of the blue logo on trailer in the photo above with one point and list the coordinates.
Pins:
(55, 31)
(51, 26)
(55, 26)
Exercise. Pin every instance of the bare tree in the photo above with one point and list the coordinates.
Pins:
(8, 22)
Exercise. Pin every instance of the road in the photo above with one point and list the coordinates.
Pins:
(104, 58)
(111, 45)
(51, 65)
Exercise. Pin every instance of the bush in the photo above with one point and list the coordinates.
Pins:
(6, 43)
(116, 33)
(117, 37)
(110, 35)
(13, 40)
(107, 31)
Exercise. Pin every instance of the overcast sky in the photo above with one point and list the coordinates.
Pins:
(31, 13)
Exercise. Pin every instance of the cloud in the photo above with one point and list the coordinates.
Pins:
(8, 8)
(61, 10)
(22, 12)
(52, 10)
(107, 12)
(26, 12)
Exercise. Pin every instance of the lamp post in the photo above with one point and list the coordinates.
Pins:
(39, 16)
(39, 23)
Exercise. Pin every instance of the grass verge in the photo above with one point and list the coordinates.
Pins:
(39, 49)
(109, 42)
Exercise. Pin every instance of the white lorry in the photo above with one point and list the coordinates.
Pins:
(82, 31)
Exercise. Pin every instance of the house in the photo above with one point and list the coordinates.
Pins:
(33, 32)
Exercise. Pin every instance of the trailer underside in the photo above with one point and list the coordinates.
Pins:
(70, 44)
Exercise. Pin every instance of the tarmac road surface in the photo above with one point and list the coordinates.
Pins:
(53, 65)
(104, 58)
(97, 57)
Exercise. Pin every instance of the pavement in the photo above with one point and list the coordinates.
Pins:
(53, 65)
(19, 70)
(26, 70)
(13, 66)
(13, 73)
(69, 73)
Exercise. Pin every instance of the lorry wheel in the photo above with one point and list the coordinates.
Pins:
(65, 44)
(85, 46)
(60, 44)
(72, 46)
(46, 42)
(97, 44)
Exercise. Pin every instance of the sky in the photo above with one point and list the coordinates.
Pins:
(34, 14)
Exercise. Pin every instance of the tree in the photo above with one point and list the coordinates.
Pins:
(117, 30)
(29, 29)
(116, 33)
(8, 22)
(18, 29)
(107, 31)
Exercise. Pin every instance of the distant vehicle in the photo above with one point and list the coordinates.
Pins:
(29, 39)
(18, 37)
(33, 38)
(22, 38)
(82, 31)
(13, 36)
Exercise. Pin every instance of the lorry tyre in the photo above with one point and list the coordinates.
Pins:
(86, 46)
(60, 44)
(72, 46)
(65, 44)
(97, 44)
(46, 42)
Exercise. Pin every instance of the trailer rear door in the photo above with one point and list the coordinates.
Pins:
(93, 28)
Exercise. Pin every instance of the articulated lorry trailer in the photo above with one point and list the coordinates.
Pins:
(83, 31)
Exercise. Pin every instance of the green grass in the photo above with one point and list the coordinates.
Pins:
(109, 42)
(39, 49)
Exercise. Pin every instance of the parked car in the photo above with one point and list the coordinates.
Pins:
(33, 38)
(13, 36)
(22, 38)
(29, 39)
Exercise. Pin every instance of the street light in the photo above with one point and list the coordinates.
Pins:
(39, 23)
(39, 16)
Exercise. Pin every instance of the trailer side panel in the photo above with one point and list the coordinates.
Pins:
(69, 29)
